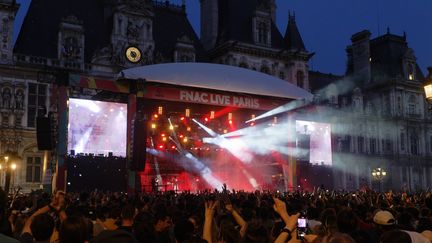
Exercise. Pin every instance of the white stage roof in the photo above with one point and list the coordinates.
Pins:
(217, 77)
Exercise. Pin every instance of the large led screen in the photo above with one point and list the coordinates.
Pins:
(97, 127)
(313, 142)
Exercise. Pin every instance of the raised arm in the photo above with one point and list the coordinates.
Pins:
(288, 233)
(209, 214)
(237, 217)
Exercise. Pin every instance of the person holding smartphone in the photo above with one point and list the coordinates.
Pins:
(288, 233)
(292, 222)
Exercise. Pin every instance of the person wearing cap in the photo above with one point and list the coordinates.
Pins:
(384, 221)
(384, 218)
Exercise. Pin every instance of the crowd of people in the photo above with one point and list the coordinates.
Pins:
(217, 216)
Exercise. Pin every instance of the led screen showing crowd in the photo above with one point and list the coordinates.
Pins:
(97, 127)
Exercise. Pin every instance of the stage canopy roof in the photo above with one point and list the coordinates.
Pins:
(217, 77)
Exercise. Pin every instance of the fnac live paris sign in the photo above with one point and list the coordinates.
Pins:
(210, 98)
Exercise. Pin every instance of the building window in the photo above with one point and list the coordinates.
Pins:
(184, 58)
(414, 144)
(402, 141)
(399, 104)
(360, 142)
(411, 109)
(36, 104)
(430, 143)
(34, 172)
(300, 79)
(243, 65)
(372, 145)
(388, 145)
(412, 105)
(333, 99)
(265, 69)
(262, 33)
(346, 144)
(282, 75)
(411, 71)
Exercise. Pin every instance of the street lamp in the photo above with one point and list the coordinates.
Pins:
(9, 166)
(13, 167)
(379, 174)
(428, 86)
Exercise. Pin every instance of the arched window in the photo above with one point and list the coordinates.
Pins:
(300, 79)
(411, 71)
(262, 33)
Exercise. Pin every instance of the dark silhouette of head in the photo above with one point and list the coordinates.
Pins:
(42, 227)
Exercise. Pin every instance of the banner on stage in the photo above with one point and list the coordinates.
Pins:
(210, 98)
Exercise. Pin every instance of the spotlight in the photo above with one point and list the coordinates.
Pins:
(153, 126)
(182, 118)
(171, 127)
(173, 147)
(189, 129)
(161, 146)
(206, 119)
(252, 124)
(160, 110)
(187, 112)
(164, 139)
(156, 116)
(212, 114)
(230, 122)
(230, 116)
(181, 136)
(163, 135)
(185, 140)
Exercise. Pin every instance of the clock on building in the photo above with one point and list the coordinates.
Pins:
(133, 54)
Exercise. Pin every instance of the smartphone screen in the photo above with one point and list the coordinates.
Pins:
(301, 228)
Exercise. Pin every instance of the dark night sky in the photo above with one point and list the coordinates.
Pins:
(327, 25)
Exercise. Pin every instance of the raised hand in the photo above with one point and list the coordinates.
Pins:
(279, 206)
(210, 208)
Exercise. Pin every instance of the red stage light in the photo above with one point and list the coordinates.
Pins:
(155, 116)
(182, 118)
(163, 135)
(161, 146)
(230, 122)
(173, 147)
(206, 119)
(181, 136)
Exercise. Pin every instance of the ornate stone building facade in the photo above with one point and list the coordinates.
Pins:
(100, 38)
(250, 39)
(390, 126)
(80, 37)
(380, 114)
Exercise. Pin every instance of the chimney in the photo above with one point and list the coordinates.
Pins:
(361, 57)
(209, 23)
